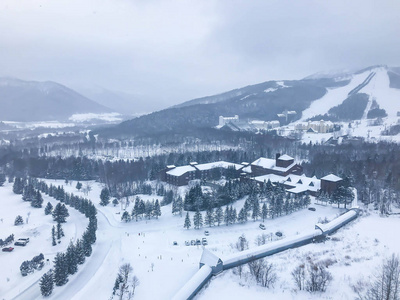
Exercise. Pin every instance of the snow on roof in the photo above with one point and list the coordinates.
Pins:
(247, 169)
(298, 189)
(332, 178)
(208, 258)
(218, 164)
(263, 162)
(336, 222)
(285, 157)
(270, 177)
(179, 171)
(171, 166)
(198, 278)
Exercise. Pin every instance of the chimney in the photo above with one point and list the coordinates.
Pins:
(277, 156)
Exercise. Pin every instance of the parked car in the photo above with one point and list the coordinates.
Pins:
(24, 240)
(207, 233)
(278, 233)
(198, 242)
(204, 241)
(187, 243)
(262, 226)
(193, 242)
(7, 249)
(175, 243)
(20, 243)
(312, 208)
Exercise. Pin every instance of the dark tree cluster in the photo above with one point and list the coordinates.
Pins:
(8, 240)
(143, 210)
(29, 266)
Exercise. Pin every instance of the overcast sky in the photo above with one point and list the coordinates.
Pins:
(174, 51)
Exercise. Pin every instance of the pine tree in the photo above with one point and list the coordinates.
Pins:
(187, 223)
(241, 216)
(60, 232)
(157, 209)
(37, 200)
(28, 193)
(78, 186)
(79, 252)
(233, 215)
(71, 259)
(179, 205)
(219, 215)
(2, 179)
(104, 197)
(197, 219)
(53, 236)
(87, 244)
(18, 187)
(60, 270)
(209, 217)
(227, 216)
(18, 220)
(126, 217)
(47, 284)
(256, 209)
(264, 212)
(60, 213)
(48, 209)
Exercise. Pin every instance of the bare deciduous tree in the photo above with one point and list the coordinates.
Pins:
(387, 281)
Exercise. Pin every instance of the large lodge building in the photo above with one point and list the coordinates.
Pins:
(283, 169)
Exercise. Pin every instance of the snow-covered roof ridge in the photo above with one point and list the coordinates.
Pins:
(208, 258)
(285, 157)
(264, 162)
(178, 171)
(218, 164)
(331, 177)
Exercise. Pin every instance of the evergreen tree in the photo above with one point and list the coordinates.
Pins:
(28, 193)
(18, 187)
(209, 217)
(60, 232)
(71, 259)
(187, 223)
(197, 219)
(60, 213)
(53, 236)
(264, 212)
(79, 252)
(47, 284)
(37, 201)
(126, 217)
(219, 215)
(18, 220)
(104, 197)
(157, 209)
(233, 215)
(179, 205)
(242, 216)
(2, 179)
(48, 209)
(86, 243)
(78, 186)
(60, 269)
(256, 209)
(227, 216)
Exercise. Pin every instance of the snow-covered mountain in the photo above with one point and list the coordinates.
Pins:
(373, 92)
(42, 101)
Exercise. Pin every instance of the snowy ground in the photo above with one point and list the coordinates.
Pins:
(38, 230)
(157, 263)
(355, 251)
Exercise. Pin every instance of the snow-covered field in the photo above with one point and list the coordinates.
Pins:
(163, 268)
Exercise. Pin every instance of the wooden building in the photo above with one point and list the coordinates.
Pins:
(330, 183)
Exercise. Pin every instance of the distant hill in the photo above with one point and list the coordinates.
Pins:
(42, 101)
(341, 96)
